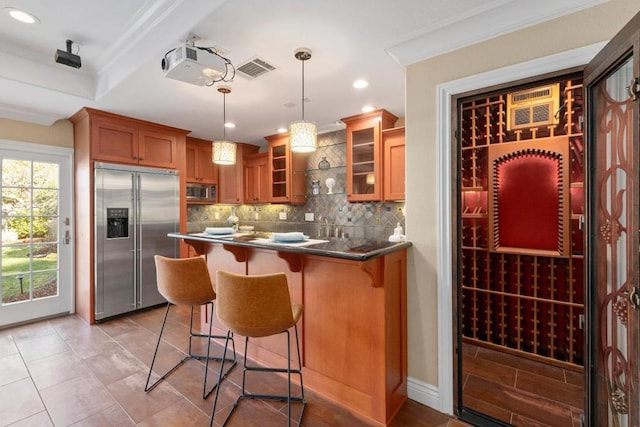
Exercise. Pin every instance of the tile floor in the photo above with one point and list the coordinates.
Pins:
(63, 372)
(521, 391)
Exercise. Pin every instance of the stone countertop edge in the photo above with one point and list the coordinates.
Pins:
(338, 248)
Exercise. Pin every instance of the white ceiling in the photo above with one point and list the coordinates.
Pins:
(122, 43)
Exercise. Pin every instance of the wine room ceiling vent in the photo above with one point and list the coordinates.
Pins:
(254, 68)
(533, 107)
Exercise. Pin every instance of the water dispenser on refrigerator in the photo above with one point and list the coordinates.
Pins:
(117, 223)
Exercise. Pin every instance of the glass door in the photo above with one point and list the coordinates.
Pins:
(613, 88)
(36, 252)
(363, 165)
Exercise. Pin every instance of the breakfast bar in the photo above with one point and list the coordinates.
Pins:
(353, 335)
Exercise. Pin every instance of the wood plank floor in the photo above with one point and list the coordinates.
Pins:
(63, 372)
(521, 391)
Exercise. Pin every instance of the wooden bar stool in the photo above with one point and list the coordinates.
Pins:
(258, 306)
(186, 282)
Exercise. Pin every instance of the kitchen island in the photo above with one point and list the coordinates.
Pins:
(353, 334)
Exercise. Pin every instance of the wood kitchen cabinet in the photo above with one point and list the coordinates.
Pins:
(122, 140)
(256, 178)
(286, 171)
(105, 137)
(393, 164)
(200, 168)
(231, 177)
(365, 154)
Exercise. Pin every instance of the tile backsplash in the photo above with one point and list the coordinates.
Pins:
(372, 220)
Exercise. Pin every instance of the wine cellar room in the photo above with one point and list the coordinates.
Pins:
(519, 239)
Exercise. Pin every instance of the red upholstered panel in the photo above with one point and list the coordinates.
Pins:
(528, 201)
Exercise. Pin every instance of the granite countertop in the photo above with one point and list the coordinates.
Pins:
(347, 248)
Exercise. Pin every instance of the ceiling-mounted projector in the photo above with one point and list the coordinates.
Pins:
(68, 57)
(191, 64)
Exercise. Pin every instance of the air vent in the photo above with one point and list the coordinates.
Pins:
(533, 107)
(191, 53)
(254, 68)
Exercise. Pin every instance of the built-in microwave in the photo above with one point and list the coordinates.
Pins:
(201, 192)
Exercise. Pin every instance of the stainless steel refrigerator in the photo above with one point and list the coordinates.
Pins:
(135, 208)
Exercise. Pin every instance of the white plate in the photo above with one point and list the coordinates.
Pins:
(219, 230)
(292, 239)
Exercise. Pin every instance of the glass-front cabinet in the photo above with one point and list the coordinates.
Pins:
(287, 186)
(364, 154)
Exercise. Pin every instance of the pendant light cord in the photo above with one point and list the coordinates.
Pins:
(302, 90)
(224, 116)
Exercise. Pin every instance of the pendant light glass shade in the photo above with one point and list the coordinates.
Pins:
(302, 134)
(224, 152)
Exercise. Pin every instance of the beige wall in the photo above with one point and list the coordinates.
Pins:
(584, 28)
(59, 134)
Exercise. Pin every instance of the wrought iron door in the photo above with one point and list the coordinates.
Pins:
(613, 92)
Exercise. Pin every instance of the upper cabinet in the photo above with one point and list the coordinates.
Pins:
(124, 140)
(256, 178)
(287, 181)
(393, 163)
(230, 177)
(365, 154)
(200, 168)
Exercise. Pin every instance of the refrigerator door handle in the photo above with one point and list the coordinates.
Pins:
(135, 185)
(137, 204)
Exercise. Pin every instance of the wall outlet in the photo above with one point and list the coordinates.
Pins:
(256, 215)
(308, 216)
(282, 215)
(216, 215)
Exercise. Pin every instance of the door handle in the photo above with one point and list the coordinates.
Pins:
(634, 88)
(634, 296)
(67, 238)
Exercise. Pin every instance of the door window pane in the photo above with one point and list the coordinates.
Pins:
(30, 209)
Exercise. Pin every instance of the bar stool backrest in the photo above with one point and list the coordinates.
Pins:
(255, 305)
(184, 281)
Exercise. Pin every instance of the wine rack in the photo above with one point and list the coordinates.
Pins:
(525, 302)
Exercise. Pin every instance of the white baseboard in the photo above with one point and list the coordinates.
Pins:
(424, 393)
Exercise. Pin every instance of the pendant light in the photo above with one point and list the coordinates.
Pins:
(302, 134)
(224, 152)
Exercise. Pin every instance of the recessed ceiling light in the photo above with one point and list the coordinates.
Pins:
(360, 84)
(282, 130)
(21, 15)
(368, 108)
(230, 125)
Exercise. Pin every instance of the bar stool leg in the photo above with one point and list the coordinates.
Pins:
(224, 357)
(190, 354)
(288, 398)
(147, 387)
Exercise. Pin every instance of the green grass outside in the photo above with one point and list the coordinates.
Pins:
(15, 260)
